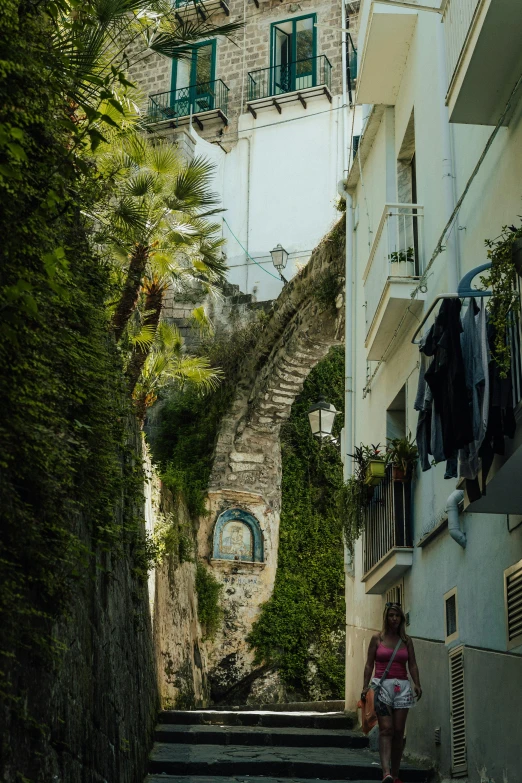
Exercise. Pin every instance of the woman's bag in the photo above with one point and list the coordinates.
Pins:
(373, 706)
(368, 714)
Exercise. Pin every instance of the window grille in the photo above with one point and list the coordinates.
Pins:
(459, 763)
(395, 595)
(513, 604)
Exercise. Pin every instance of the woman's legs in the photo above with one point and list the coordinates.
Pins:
(385, 742)
(397, 744)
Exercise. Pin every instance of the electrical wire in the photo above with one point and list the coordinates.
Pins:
(422, 284)
(248, 254)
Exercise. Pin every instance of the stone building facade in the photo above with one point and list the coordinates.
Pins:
(247, 51)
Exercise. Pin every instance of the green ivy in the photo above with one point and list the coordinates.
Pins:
(210, 613)
(301, 628)
(70, 467)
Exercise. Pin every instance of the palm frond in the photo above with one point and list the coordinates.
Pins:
(163, 158)
(200, 321)
(145, 337)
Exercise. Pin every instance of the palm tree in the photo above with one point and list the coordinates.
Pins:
(94, 43)
(155, 223)
(167, 364)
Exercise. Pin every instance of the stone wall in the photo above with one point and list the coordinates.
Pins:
(179, 651)
(88, 717)
(248, 51)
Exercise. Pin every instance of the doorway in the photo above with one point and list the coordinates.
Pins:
(193, 80)
(293, 55)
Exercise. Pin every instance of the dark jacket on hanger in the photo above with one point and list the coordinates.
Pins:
(446, 378)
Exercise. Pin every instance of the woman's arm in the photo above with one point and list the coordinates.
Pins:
(414, 669)
(370, 662)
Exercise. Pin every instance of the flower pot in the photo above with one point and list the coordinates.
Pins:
(516, 255)
(398, 473)
(375, 472)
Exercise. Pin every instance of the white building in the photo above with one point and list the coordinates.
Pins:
(434, 83)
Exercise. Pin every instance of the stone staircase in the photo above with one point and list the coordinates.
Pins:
(264, 747)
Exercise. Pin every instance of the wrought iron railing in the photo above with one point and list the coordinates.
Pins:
(458, 16)
(395, 252)
(280, 79)
(351, 65)
(195, 99)
(514, 339)
(387, 520)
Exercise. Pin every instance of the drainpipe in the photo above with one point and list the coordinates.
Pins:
(247, 203)
(348, 356)
(448, 170)
(344, 88)
(452, 508)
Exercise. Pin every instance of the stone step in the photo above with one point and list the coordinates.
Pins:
(215, 761)
(293, 706)
(240, 779)
(308, 720)
(244, 735)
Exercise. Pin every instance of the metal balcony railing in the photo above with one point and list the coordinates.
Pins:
(196, 99)
(387, 520)
(395, 252)
(458, 16)
(280, 79)
(514, 339)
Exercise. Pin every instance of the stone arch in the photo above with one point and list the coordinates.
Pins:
(238, 537)
(306, 321)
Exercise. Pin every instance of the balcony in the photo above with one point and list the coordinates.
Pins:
(192, 9)
(202, 102)
(385, 35)
(483, 58)
(280, 84)
(504, 488)
(391, 274)
(387, 537)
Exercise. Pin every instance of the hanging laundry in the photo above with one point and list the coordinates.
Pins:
(446, 378)
(476, 356)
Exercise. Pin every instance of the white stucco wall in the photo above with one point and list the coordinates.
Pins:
(494, 200)
(278, 186)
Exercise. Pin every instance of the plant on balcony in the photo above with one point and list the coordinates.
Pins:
(401, 256)
(402, 454)
(503, 252)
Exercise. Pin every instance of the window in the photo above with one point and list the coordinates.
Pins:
(293, 47)
(395, 595)
(238, 536)
(396, 416)
(451, 624)
(513, 604)
(193, 80)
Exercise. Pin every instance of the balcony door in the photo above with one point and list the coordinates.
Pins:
(193, 80)
(293, 65)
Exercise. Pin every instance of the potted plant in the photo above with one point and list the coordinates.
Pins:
(402, 454)
(402, 256)
(505, 254)
(375, 465)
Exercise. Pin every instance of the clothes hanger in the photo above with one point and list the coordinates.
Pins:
(464, 291)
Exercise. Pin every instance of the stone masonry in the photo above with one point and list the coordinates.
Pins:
(247, 462)
(248, 51)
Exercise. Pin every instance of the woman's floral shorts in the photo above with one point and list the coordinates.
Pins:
(395, 694)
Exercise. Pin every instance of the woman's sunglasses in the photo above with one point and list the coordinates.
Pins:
(392, 603)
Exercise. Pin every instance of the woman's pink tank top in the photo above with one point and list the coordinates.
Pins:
(398, 667)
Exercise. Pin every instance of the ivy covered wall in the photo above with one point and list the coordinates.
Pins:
(301, 628)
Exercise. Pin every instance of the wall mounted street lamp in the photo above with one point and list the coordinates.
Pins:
(279, 259)
(322, 416)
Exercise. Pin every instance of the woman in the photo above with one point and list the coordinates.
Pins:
(395, 695)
